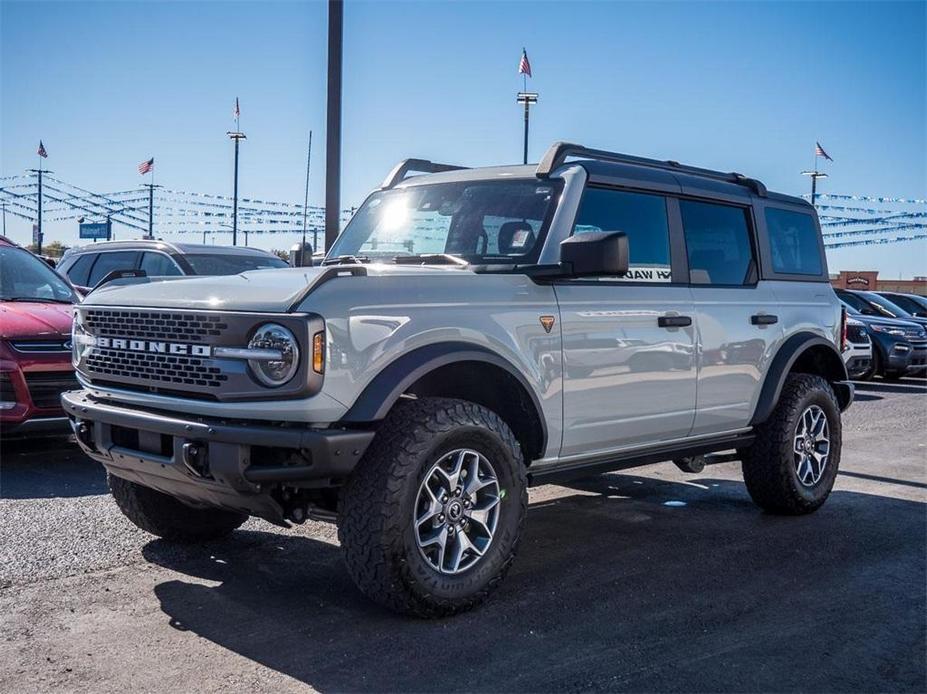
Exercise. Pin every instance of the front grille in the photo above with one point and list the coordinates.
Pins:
(42, 346)
(7, 394)
(155, 325)
(164, 369)
(46, 387)
(159, 351)
(857, 334)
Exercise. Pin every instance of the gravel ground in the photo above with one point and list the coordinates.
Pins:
(613, 589)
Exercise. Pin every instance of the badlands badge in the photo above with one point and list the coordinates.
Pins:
(547, 322)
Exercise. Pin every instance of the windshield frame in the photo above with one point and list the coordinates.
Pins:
(528, 259)
(44, 268)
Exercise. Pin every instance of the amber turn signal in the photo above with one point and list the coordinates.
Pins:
(318, 352)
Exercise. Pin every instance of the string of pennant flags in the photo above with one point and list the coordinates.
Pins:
(181, 212)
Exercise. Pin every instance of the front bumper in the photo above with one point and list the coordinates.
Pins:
(230, 464)
(918, 362)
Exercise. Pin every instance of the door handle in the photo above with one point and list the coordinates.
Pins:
(674, 321)
(764, 319)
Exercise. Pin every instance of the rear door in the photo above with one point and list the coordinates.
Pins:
(628, 343)
(737, 314)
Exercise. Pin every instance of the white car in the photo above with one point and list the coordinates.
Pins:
(857, 349)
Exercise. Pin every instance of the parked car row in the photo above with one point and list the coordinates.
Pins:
(899, 338)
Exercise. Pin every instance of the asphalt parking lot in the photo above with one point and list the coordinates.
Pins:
(614, 588)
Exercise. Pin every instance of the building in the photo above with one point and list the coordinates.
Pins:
(869, 280)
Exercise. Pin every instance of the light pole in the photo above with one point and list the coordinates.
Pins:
(526, 98)
(815, 175)
(38, 235)
(236, 137)
(150, 187)
(333, 123)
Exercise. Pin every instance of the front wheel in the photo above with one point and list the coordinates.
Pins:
(430, 519)
(791, 466)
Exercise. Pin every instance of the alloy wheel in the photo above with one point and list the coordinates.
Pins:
(811, 445)
(456, 511)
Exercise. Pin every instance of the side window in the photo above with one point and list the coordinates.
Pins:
(159, 265)
(107, 262)
(717, 243)
(642, 217)
(793, 242)
(80, 270)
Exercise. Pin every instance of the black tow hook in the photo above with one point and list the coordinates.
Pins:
(193, 456)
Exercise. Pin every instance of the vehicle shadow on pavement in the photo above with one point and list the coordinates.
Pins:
(46, 468)
(613, 589)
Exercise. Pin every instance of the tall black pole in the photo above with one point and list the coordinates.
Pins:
(38, 229)
(333, 123)
(814, 186)
(526, 98)
(150, 211)
(38, 239)
(315, 239)
(235, 202)
(524, 159)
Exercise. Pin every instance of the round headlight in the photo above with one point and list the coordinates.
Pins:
(274, 372)
(81, 341)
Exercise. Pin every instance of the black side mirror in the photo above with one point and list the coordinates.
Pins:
(599, 253)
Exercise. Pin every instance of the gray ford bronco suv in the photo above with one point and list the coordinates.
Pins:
(471, 333)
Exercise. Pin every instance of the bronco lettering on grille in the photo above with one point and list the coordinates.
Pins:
(153, 346)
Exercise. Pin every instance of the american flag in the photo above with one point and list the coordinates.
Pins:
(237, 112)
(819, 152)
(146, 166)
(41, 151)
(524, 67)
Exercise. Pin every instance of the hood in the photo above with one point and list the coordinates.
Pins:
(869, 320)
(259, 291)
(23, 319)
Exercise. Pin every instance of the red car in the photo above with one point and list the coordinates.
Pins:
(35, 343)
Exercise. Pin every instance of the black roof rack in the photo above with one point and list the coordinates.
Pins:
(398, 174)
(559, 151)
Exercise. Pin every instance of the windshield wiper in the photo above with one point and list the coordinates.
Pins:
(346, 260)
(429, 259)
(36, 300)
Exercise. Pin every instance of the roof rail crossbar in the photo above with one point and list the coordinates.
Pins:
(398, 174)
(559, 151)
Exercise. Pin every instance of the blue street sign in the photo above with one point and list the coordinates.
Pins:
(97, 230)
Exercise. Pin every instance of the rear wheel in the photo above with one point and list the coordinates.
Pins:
(165, 516)
(430, 519)
(791, 466)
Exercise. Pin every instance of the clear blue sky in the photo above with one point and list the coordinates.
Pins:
(732, 85)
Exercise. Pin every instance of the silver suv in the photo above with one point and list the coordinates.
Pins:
(473, 332)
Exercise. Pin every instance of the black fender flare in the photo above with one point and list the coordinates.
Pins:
(375, 401)
(782, 364)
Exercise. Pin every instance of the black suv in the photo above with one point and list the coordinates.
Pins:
(86, 266)
(899, 340)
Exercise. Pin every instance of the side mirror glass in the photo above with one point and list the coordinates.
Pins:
(595, 254)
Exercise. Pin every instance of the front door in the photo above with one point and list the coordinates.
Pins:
(629, 361)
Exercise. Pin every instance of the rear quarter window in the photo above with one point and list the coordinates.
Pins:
(79, 270)
(793, 242)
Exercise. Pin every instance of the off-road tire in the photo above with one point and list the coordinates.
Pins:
(769, 465)
(166, 517)
(377, 506)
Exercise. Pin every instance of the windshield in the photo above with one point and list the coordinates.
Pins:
(23, 277)
(893, 309)
(862, 306)
(231, 264)
(479, 222)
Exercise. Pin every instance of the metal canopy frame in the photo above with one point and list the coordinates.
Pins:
(557, 155)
